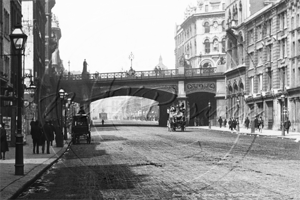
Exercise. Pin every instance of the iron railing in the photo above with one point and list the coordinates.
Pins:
(171, 73)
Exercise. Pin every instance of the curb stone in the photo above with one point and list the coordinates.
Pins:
(39, 174)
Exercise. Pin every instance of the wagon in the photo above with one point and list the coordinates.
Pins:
(80, 129)
(176, 120)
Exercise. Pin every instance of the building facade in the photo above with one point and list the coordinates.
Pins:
(200, 38)
(261, 76)
(10, 16)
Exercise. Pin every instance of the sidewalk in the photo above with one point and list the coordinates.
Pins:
(34, 166)
(268, 133)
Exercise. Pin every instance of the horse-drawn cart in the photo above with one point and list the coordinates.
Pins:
(80, 128)
(177, 119)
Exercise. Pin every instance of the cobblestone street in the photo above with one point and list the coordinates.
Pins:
(152, 163)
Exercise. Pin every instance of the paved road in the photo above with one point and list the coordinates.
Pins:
(151, 163)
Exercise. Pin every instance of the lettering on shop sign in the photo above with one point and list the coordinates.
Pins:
(200, 87)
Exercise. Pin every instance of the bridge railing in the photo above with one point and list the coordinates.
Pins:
(143, 74)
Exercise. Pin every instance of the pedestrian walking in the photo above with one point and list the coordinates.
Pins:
(230, 124)
(287, 125)
(3, 141)
(48, 135)
(247, 122)
(220, 121)
(260, 124)
(234, 123)
(36, 136)
(225, 122)
(256, 124)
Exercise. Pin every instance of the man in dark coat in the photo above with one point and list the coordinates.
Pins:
(287, 125)
(230, 123)
(48, 135)
(220, 122)
(247, 121)
(225, 122)
(36, 136)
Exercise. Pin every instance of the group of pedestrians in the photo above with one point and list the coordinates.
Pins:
(232, 123)
(258, 123)
(41, 135)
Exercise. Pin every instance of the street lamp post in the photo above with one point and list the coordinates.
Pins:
(19, 39)
(237, 119)
(283, 110)
(209, 124)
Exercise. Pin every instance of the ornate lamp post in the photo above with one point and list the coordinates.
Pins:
(237, 119)
(209, 106)
(19, 39)
(283, 114)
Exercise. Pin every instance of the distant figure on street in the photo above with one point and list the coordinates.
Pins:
(220, 121)
(102, 122)
(225, 122)
(230, 124)
(48, 135)
(247, 121)
(36, 136)
(234, 123)
(260, 124)
(287, 125)
(256, 124)
(3, 141)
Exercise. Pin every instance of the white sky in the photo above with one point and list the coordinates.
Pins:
(105, 32)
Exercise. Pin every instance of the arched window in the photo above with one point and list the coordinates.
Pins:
(206, 27)
(216, 45)
(207, 46)
(292, 23)
(223, 45)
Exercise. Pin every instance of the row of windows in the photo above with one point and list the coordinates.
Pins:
(215, 45)
(189, 31)
(266, 29)
(215, 24)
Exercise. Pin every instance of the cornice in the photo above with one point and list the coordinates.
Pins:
(235, 70)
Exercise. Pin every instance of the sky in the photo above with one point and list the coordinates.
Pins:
(105, 32)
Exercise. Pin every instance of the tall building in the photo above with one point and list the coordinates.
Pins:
(200, 38)
(262, 71)
(33, 23)
(10, 16)
(237, 12)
